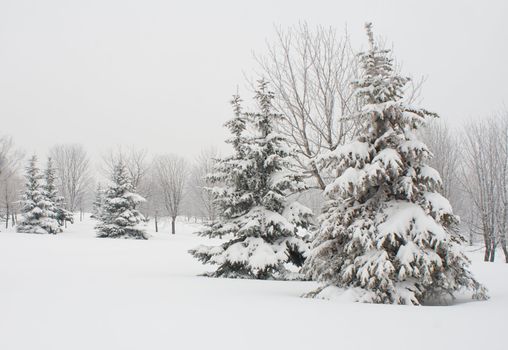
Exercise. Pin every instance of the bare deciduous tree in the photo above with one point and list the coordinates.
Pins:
(74, 177)
(311, 72)
(10, 179)
(503, 184)
(444, 143)
(170, 173)
(446, 158)
(485, 177)
(200, 197)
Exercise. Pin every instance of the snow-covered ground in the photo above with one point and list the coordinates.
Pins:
(74, 291)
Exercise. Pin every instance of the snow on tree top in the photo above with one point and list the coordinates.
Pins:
(377, 108)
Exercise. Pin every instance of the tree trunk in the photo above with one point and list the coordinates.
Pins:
(505, 249)
(493, 250)
(486, 256)
(318, 177)
(6, 215)
(173, 219)
(492, 255)
(486, 239)
(156, 224)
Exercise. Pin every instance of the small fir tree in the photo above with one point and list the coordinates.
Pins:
(63, 216)
(255, 214)
(38, 211)
(119, 217)
(98, 202)
(57, 202)
(386, 231)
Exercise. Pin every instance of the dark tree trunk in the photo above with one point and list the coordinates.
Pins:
(486, 257)
(156, 224)
(505, 249)
(490, 243)
(173, 225)
(493, 250)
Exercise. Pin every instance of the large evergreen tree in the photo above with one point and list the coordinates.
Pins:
(386, 231)
(254, 183)
(37, 209)
(119, 217)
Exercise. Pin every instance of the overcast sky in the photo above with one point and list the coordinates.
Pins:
(159, 74)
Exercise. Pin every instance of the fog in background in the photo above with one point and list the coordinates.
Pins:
(159, 74)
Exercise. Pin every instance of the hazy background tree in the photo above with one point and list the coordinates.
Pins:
(446, 157)
(199, 200)
(484, 179)
(11, 181)
(170, 175)
(74, 175)
(445, 144)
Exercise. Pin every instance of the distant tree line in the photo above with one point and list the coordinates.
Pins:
(172, 185)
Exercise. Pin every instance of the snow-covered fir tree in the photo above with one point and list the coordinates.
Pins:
(63, 216)
(261, 225)
(38, 211)
(57, 202)
(386, 232)
(119, 217)
(98, 202)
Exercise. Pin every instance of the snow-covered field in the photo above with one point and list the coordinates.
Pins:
(74, 291)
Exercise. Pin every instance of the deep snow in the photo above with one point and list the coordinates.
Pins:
(75, 291)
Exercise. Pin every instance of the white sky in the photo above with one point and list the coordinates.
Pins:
(159, 74)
